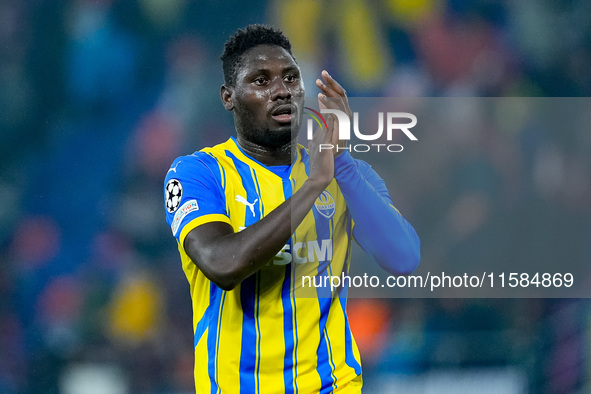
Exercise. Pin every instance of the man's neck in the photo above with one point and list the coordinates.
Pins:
(269, 157)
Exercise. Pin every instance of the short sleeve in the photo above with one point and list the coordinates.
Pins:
(193, 194)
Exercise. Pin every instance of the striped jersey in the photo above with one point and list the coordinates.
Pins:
(272, 333)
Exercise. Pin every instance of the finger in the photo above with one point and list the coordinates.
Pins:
(330, 86)
(326, 89)
(321, 103)
(333, 84)
(324, 102)
(324, 135)
(333, 90)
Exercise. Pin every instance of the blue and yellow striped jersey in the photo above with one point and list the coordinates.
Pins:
(269, 334)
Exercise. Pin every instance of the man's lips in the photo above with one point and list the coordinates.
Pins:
(286, 118)
(283, 113)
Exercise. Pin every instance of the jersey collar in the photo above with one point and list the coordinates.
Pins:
(237, 150)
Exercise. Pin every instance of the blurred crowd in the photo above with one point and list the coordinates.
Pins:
(98, 97)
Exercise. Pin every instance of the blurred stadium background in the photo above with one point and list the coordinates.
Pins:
(98, 97)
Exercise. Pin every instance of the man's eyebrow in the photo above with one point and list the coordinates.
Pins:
(260, 70)
(291, 68)
(265, 70)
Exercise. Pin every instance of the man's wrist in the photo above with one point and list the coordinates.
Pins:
(316, 185)
(342, 162)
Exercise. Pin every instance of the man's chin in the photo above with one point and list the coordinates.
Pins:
(279, 138)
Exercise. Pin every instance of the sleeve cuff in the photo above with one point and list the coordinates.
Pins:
(216, 217)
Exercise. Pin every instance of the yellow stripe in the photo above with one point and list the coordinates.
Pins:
(214, 217)
(255, 181)
(232, 147)
(270, 326)
(218, 337)
(308, 380)
(329, 344)
(396, 209)
(228, 351)
(335, 322)
(308, 315)
(202, 383)
(330, 360)
(220, 166)
(257, 186)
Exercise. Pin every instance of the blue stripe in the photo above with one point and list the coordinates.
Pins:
(323, 367)
(288, 332)
(350, 359)
(325, 363)
(289, 329)
(212, 162)
(249, 336)
(251, 190)
(248, 290)
(202, 325)
(215, 296)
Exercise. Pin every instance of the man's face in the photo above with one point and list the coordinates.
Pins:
(268, 97)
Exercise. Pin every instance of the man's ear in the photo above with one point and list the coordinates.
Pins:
(226, 95)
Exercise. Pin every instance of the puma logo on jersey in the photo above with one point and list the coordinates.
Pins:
(174, 168)
(248, 204)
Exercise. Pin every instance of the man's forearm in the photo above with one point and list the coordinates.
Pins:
(227, 258)
(380, 230)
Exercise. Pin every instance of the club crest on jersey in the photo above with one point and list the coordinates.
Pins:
(325, 204)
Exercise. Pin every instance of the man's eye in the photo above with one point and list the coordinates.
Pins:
(290, 78)
(260, 80)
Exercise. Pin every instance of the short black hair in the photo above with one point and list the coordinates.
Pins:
(245, 39)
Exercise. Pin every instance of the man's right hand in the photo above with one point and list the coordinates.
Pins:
(321, 158)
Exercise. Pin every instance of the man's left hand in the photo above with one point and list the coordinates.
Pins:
(333, 96)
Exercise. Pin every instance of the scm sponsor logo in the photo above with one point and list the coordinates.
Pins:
(304, 252)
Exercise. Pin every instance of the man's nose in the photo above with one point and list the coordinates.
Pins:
(280, 89)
